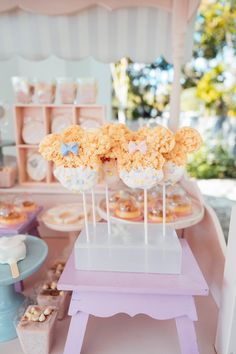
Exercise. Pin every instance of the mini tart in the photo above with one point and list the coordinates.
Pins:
(139, 197)
(183, 209)
(127, 210)
(176, 198)
(158, 216)
(28, 205)
(67, 217)
(113, 201)
(12, 218)
(64, 216)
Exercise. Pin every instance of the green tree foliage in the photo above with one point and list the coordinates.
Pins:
(214, 93)
(146, 98)
(215, 28)
(215, 34)
(212, 162)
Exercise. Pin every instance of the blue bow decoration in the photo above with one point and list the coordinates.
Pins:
(66, 148)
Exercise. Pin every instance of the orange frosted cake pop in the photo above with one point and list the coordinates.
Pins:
(117, 134)
(187, 140)
(76, 153)
(140, 159)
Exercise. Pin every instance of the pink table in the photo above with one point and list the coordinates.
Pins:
(162, 297)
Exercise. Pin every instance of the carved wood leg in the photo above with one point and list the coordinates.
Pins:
(76, 333)
(187, 335)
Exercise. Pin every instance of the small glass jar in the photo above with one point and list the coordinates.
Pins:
(24, 203)
(67, 90)
(23, 89)
(5, 209)
(156, 215)
(127, 208)
(87, 90)
(45, 91)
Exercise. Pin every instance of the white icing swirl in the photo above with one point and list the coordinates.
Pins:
(144, 178)
(78, 179)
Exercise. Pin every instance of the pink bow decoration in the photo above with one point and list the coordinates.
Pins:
(142, 147)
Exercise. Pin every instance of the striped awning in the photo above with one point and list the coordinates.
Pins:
(140, 33)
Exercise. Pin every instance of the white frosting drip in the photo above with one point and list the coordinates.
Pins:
(12, 249)
(78, 179)
(141, 177)
(172, 172)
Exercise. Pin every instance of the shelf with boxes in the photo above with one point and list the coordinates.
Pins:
(34, 121)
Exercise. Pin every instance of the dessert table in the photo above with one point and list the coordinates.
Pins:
(160, 296)
(10, 300)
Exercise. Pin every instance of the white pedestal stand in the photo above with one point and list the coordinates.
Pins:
(125, 250)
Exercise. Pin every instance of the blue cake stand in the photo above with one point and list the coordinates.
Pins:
(10, 300)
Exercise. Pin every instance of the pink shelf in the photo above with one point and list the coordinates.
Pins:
(78, 112)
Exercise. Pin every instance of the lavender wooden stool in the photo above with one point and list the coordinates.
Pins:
(162, 297)
(30, 226)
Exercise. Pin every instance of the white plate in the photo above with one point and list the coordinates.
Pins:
(54, 225)
(87, 123)
(60, 123)
(36, 167)
(33, 132)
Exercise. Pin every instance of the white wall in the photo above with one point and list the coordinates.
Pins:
(51, 68)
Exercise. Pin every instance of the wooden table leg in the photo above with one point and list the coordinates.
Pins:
(187, 335)
(76, 333)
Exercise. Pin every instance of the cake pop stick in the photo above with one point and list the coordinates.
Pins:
(93, 207)
(145, 216)
(12, 250)
(108, 211)
(164, 210)
(85, 216)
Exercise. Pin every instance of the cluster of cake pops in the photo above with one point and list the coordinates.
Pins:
(140, 159)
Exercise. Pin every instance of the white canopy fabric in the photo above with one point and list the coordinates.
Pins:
(142, 34)
(62, 7)
(104, 29)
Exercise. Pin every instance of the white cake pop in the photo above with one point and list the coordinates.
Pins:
(12, 250)
(76, 179)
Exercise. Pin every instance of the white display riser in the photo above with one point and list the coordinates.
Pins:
(125, 249)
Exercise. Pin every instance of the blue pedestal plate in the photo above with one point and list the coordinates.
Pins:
(10, 300)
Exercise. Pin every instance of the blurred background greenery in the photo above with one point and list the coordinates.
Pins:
(208, 89)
